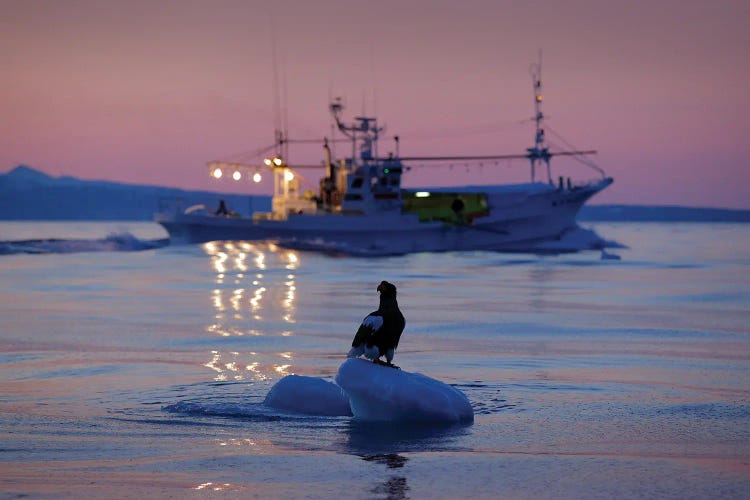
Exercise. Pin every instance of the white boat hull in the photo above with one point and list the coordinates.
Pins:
(518, 221)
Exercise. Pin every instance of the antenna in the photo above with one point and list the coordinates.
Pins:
(279, 137)
(539, 152)
(330, 101)
(374, 79)
(285, 108)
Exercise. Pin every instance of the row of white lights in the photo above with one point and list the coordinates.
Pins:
(237, 175)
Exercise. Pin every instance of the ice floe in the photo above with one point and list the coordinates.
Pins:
(381, 393)
(372, 393)
(308, 395)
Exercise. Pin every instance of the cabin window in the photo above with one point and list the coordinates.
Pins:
(353, 197)
(357, 182)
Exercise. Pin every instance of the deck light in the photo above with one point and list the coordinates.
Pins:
(267, 161)
(289, 175)
(256, 177)
(236, 175)
(277, 161)
(217, 173)
(421, 194)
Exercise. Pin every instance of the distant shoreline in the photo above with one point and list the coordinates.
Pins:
(655, 213)
(28, 194)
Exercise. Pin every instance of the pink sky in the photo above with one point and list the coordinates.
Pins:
(148, 91)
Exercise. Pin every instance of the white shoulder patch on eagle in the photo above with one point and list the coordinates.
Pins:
(374, 322)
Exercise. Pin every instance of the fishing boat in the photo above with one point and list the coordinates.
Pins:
(362, 209)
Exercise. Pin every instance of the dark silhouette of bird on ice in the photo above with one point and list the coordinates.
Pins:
(380, 331)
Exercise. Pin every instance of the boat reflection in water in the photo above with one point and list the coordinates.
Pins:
(251, 298)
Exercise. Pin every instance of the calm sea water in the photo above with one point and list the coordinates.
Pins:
(142, 373)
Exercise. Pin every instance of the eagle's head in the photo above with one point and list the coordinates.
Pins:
(387, 289)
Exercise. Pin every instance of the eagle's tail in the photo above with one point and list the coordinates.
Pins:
(355, 352)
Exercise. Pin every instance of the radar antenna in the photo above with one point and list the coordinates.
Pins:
(365, 126)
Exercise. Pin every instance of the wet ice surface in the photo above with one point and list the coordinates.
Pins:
(147, 372)
(309, 396)
(369, 393)
(384, 394)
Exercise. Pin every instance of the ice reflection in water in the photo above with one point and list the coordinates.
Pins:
(246, 300)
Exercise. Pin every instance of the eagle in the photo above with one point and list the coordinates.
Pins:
(380, 331)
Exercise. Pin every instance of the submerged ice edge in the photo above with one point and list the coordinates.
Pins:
(254, 412)
(309, 396)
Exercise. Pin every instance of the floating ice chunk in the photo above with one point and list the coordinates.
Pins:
(115, 242)
(381, 393)
(575, 240)
(609, 256)
(308, 395)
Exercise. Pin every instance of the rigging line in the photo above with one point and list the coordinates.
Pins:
(560, 137)
(578, 156)
(251, 154)
(238, 157)
(589, 164)
(581, 160)
(464, 162)
(462, 158)
(477, 130)
(314, 141)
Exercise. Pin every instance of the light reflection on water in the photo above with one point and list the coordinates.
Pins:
(213, 486)
(248, 295)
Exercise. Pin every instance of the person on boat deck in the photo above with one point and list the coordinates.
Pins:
(222, 210)
(326, 188)
(458, 209)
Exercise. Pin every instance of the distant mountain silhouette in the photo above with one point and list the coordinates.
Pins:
(23, 174)
(28, 194)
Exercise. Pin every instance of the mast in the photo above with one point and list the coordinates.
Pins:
(540, 152)
(280, 121)
(336, 107)
(365, 129)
